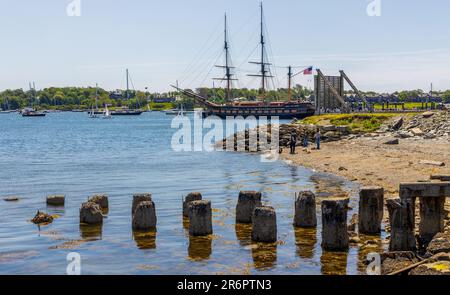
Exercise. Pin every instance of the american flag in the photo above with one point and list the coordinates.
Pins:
(308, 71)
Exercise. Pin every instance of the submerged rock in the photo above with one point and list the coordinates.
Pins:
(11, 199)
(42, 218)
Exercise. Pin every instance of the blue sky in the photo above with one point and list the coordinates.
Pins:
(407, 47)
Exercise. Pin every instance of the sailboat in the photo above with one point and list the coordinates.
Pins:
(107, 113)
(95, 112)
(262, 108)
(181, 112)
(30, 111)
(126, 111)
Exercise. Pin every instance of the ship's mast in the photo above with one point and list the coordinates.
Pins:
(228, 75)
(96, 96)
(264, 65)
(128, 87)
(290, 83)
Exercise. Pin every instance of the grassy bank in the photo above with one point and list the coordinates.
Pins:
(356, 122)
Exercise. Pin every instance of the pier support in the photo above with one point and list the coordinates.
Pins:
(401, 217)
(305, 210)
(138, 198)
(190, 198)
(101, 200)
(334, 223)
(264, 225)
(200, 218)
(431, 219)
(371, 209)
(144, 217)
(91, 213)
(56, 200)
(247, 202)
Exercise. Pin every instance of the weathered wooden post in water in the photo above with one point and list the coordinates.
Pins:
(200, 218)
(138, 198)
(264, 227)
(247, 202)
(144, 217)
(432, 200)
(56, 200)
(190, 198)
(101, 200)
(371, 210)
(334, 224)
(401, 218)
(91, 213)
(305, 210)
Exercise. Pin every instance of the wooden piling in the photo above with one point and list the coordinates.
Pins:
(305, 210)
(190, 198)
(247, 202)
(334, 222)
(200, 218)
(371, 210)
(264, 225)
(401, 217)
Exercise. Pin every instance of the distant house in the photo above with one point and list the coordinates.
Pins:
(116, 94)
(164, 99)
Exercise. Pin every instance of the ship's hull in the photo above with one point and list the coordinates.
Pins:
(34, 115)
(285, 111)
(127, 113)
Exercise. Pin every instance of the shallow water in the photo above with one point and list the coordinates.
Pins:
(68, 153)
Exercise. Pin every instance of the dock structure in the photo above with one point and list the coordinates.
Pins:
(402, 214)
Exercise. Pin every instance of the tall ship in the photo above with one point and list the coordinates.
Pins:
(289, 109)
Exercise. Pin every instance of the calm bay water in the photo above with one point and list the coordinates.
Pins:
(68, 153)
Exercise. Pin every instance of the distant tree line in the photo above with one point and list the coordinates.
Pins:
(70, 98)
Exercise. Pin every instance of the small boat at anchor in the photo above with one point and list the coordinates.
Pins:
(30, 112)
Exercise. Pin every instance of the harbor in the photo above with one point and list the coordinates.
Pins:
(235, 139)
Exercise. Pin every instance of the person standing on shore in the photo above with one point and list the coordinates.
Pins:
(293, 142)
(318, 137)
(305, 140)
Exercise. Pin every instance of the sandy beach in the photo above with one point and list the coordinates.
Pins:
(368, 161)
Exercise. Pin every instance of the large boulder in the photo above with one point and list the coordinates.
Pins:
(398, 123)
(439, 244)
(395, 261)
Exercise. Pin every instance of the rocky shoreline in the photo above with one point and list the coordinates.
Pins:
(403, 149)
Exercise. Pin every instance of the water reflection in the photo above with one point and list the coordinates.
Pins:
(200, 248)
(91, 232)
(305, 240)
(334, 263)
(186, 223)
(264, 256)
(370, 244)
(145, 240)
(244, 234)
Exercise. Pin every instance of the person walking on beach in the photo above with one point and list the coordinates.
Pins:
(318, 137)
(305, 140)
(293, 142)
